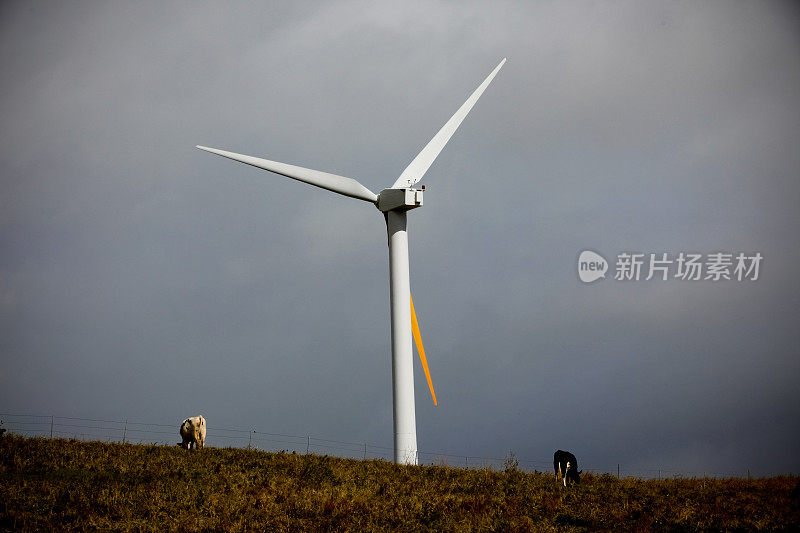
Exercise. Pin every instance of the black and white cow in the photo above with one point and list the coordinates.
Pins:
(566, 467)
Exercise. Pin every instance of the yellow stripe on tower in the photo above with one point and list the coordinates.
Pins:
(421, 349)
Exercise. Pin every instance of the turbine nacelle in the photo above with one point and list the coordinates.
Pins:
(400, 199)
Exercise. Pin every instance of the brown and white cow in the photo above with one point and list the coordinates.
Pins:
(566, 467)
(193, 432)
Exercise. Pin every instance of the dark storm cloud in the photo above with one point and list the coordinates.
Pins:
(140, 277)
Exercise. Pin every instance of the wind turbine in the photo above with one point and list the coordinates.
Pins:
(394, 202)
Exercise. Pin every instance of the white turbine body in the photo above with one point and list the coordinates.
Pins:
(394, 202)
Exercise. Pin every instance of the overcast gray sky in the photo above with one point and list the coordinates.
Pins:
(141, 278)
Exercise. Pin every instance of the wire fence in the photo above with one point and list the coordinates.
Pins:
(129, 431)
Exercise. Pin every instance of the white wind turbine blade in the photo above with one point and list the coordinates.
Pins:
(332, 182)
(420, 165)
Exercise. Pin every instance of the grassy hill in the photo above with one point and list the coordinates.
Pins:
(57, 484)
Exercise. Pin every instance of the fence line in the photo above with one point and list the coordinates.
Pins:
(127, 431)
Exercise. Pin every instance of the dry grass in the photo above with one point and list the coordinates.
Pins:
(66, 484)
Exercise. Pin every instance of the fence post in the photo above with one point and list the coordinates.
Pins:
(51, 425)
(250, 438)
(308, 443)
(617, 470)
(125, 431)
(365, 451)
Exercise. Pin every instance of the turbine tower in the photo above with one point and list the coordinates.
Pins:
(394, 202)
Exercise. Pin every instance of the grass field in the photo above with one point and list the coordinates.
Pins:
(67, 484)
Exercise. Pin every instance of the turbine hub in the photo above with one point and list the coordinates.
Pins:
(400, 199)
